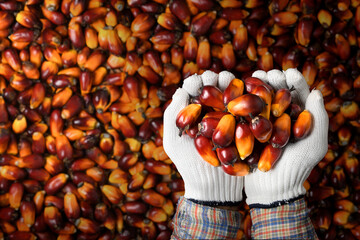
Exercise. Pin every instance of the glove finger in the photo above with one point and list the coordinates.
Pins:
(318, 137)
(295, 79)
(193, 84)
(210, 78)
(180, 100)
(276, 79)
(225, 78)
(261, 75)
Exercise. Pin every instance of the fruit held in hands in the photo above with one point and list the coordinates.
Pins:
(207, 126)
(281, 131)
(224, 132)
(227, 155)
(234, 90)
(268, 157)
(302, 125)
(261, 128)
(187, 117)
(204, 146)
(213, 97)
(244, 139)
(239, 169)
(281, 102)
(245, 105)
(244, 127)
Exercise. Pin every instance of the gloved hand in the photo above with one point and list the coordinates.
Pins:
(203, 182)
(285, 180)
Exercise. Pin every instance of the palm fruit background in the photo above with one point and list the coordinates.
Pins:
(84, 84)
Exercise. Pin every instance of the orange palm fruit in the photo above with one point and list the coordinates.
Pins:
(303, 125)
(28, 19)
(64, 149)
(95, 59)
(281, 131)
(265, 94)
(16, 192)
(6, 71)
(309, 71)
(123, 124)
(245, 105)
(88, 192)
(153, 198)
(12, 58)
(69, 58)
(285, 19)
(204, 146)
(181, 10)
(213, 97)
(350, 110)
(190, 48)
(187, 117)
(19, 124)
(244, 139)
(207, 126)
(71, 206)
(30, 70)
(240, 40)
(72, 107)
(233, 90)
(56, 183)
(280, 102)
(239, 168)
(223, 134)
(19, 82)
(228, 56)
(227, 155)
(261, 128)
(48, 68)
(112, 193)
(234, 13)
(157, 167)
(27, 210)
(344, 134)
(202, 22)
(203, 57)
(169, 21)
(304, 30)
(268, 157)
(142, 23)
(53, 218)
(37, 96)
(157, 215)
(177, 56)
(334, 104)
(252, 82)
(12, 172)
(53, 165)
(38, 200)
(30, 161)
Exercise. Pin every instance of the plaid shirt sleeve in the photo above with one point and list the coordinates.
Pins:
(196, 221)
(290, 221)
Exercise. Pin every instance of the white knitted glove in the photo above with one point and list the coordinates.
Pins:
(285, 180)
(203, 182)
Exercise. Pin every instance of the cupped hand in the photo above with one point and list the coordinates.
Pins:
(285, 180)
(203, 182)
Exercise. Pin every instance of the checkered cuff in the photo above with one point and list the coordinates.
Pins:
(290, 221)
(196, 221)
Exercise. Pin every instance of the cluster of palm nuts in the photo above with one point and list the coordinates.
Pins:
(246, 126)
(84, 84)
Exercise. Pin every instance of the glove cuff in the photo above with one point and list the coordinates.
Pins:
(212, 186)
(279, 188)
